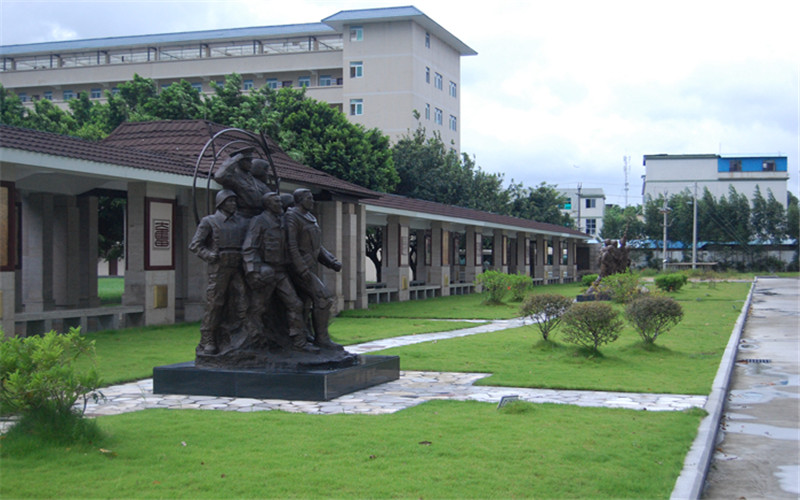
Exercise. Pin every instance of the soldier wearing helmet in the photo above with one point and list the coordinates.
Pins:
(218, 241)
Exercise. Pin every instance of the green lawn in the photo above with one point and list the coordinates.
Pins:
(684, 360)
(441, 449)
(110, 289)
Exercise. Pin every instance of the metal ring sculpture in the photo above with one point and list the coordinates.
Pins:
(213, 152)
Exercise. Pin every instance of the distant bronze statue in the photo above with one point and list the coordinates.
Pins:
(218, 241)
(305, 252)
(614, 257)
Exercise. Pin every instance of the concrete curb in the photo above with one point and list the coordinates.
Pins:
(691, 480)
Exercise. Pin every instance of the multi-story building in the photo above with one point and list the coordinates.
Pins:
(667, 174)
(586, 207)
(378, 66)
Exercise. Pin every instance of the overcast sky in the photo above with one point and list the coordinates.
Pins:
(560, 91)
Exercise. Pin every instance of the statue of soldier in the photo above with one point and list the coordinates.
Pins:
(236, 174)
(305, 251)
(218, 241)
(265, 259)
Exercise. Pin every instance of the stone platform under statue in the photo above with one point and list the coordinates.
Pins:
(321, 382)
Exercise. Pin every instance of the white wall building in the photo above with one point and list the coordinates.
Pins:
(670, 174)
(378, 66)
(586, 206)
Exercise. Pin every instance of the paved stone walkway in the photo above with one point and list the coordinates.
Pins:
(412, 388)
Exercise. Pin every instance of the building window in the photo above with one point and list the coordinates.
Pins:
(437, 116)
(356, 69)
(768, 166)
(304, 81)
(437, 81)
(591, 203)
(356, 33)
(68, 94)
(567, 204)
(453, 123)
(591, 226)
(325, 81)
(564, 255)
(427, 40)
(23, 97)
(550, 252)
(197, 86)
(48, 94)
(272, 83)
(427, 75)
(115, 91)
(356, 107)
(736, 166)
(248, 85)
(286, 84)
(96, 94)
(427, 111)
(453, 90)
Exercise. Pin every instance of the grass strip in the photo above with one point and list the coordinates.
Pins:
(441, 449)
(131, 353)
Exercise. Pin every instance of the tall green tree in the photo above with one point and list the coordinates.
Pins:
(541, 203)
(12, 111)
(619, 222)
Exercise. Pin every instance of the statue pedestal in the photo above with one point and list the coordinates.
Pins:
(260, 383)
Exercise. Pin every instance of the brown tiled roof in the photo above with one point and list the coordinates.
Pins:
(434, 208)
(81, 149)
(170, 146)
(186, 139)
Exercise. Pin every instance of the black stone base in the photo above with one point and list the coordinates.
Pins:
(304, 385)
(589, 297)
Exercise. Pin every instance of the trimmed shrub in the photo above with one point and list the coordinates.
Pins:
(621, 287)
(39, 382)
(654, 315)
(495, 286)
(546, 309)
(591, 324)
(518, 285)
(670, 282)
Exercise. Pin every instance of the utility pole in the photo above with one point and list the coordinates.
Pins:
(579, 207)
(694, 229)
(627, 167)
(665, 210)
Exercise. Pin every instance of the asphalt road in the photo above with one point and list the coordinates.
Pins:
(758, 445)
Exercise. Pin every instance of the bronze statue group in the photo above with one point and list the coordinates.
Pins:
(262, 250)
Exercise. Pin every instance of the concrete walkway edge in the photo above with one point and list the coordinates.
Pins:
(691, 480)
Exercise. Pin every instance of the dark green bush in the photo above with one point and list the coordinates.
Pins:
(670, 282)
(547, 309)
(494, 286)
(518, 284)
(653, 315)
(591, 324)
(621, 287)
(588, 279)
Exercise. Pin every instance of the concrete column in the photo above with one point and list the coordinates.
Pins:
(329, 215)
(395, 256)
(66, 264)
(7, 302)
(439, 271)
(522, 254)
(474, 245)
(540, 256)
(37, 252)
(88, 252)
(145, 286)
(351, 250)
(499, 251)
(361, 299)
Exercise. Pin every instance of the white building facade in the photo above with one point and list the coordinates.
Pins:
(378, 66)
(671, 174)
(586, 207)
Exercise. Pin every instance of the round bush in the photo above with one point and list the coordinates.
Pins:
(653, 315)
(591, 324)
(546, 309)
